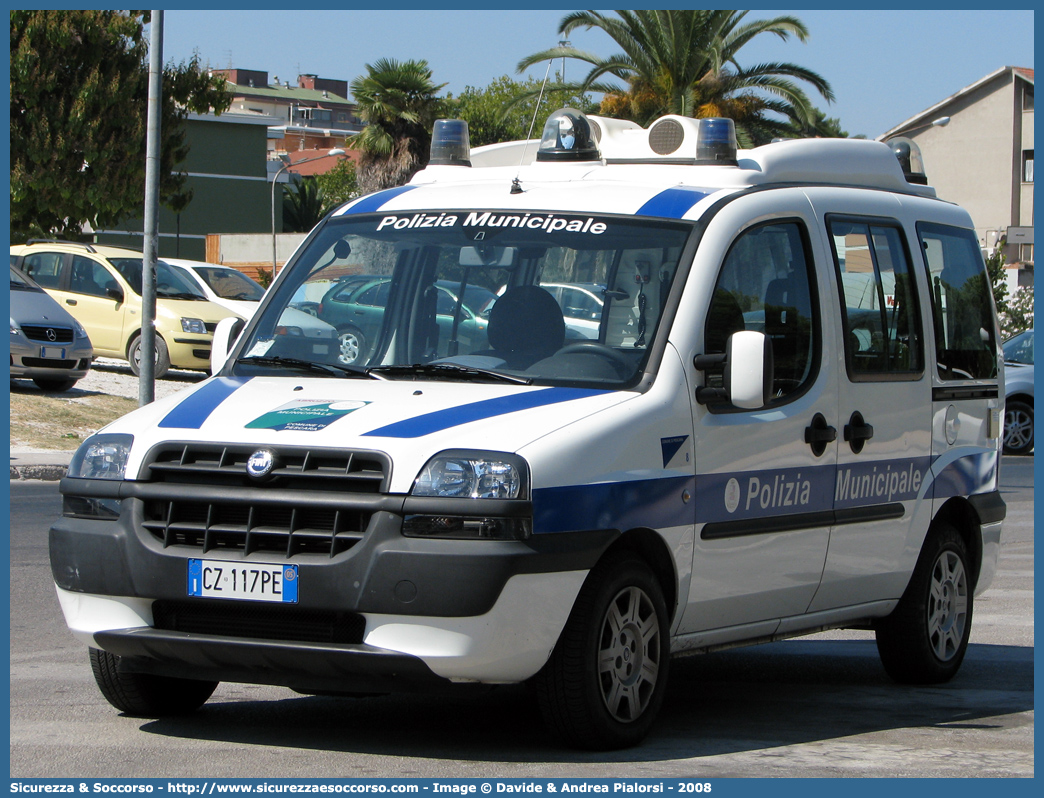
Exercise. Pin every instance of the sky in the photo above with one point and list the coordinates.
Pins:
(884, 66)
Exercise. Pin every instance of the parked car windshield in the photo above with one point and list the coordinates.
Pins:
(1019, 349)
(230, 284)
(19, 282)
(471, 295)
(169, 283)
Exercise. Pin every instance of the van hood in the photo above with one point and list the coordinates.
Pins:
(408, 420)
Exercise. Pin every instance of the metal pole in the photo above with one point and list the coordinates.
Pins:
(275, 178)
(147, 375)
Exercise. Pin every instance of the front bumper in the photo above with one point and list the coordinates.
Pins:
(482, 610)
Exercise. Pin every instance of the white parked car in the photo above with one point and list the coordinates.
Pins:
(223, 285)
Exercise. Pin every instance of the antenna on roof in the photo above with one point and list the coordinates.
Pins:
(516, 185)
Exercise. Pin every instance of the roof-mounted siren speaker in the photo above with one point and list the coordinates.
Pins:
(568, 136)
(909, 155)
(707, 141)
(450, 143)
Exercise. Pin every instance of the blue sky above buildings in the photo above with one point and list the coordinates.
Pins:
(884, 65)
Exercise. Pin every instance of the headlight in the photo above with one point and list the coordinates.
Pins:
(15, 329)
(478, 475)
(102, 456)
(79, 329)
(457, 475)
(193, 326)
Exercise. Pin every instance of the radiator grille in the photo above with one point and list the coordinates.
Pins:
(234, 512)
(38, 332)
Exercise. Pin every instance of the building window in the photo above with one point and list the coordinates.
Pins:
(1026, 253)
(1027, 166)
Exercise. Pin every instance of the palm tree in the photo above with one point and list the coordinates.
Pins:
(400, 104)
(685, 62)
(303, 205)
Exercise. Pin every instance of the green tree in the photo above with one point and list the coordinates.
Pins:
(1014, 311)
(400, 104)
(505, 109)
(686, 62)
(339, 185)
(79, 90)
(818, 126)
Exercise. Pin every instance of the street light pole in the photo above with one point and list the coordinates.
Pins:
(334, 153)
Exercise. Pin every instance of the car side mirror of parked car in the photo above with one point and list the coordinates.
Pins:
(114, 293)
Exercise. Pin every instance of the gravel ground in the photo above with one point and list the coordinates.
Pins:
(114, 377)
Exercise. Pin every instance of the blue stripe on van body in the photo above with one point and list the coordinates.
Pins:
(476, 411)
(673, 203)
(654, 503)
(374, 201)
(195, 409)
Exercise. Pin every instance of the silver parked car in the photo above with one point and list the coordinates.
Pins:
(1018, 385)
(47, 344)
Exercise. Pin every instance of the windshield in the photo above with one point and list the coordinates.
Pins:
(19, 282)
(169, 283)
(230, 284)
(1019, 349)
(472, 295)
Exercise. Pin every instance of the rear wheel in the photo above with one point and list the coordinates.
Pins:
(351, 345)
(925, 638)
(145, 695)
(162, 362)
(1018, 427)
(604, 683)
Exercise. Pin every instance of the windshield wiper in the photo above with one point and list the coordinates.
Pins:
(448, 370)
(179, 295)
(308, 365)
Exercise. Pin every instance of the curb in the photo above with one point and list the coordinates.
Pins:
(47, 472)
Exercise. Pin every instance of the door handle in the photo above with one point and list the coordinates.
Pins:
(818, 434)
(70, 302)
(858, 432)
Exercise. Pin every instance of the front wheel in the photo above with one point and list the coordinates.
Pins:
(145, 695)
(925, 638)
(604, 682)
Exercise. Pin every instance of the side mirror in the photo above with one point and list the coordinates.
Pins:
(225, 335)
(748, 371)
(114, 293)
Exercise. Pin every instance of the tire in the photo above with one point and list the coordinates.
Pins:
(603, 685)
(56, 385)
(144, 695)
(162, 357)
(1018, 427)
(925, 638)
(351, 345)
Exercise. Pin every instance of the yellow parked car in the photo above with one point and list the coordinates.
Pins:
(100, 287)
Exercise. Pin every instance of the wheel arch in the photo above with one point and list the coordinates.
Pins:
(961, 514)
(651, 547)
(1020, 397)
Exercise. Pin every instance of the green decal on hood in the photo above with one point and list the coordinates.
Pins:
(305, 415)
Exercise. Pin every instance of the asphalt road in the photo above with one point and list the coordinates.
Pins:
(814, 707)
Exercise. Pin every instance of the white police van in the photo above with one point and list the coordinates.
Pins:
(408, 471)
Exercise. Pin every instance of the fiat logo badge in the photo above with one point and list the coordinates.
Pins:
(261, 463)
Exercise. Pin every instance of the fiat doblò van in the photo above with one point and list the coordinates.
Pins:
(785, 417)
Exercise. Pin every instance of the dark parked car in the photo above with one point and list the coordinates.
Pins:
(356, 308)
(1018, 390)
(47, 344)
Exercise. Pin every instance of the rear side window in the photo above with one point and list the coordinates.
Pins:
(44, 268)
(962, 303)
(878, 300)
